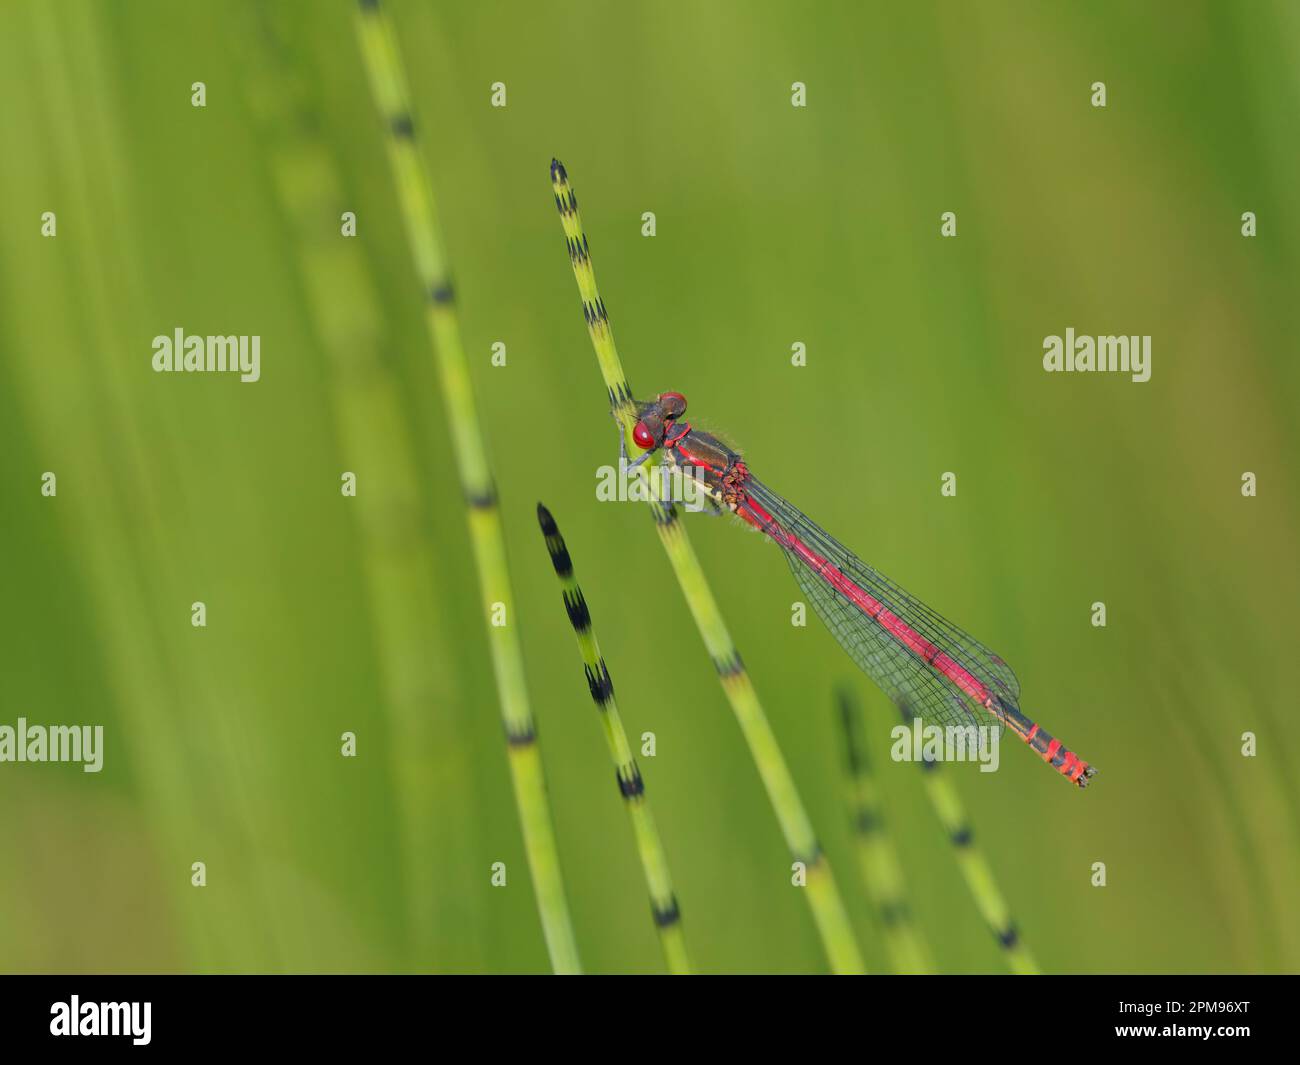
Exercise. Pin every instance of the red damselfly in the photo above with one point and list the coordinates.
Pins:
(915, 656)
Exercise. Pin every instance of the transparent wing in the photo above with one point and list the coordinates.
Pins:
(895, 670)
(901, 673)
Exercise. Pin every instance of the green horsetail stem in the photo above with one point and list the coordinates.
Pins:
(388, 84)
(823, 896)
(881, 869)
(974, 869)
(411, 645)
(663, 903)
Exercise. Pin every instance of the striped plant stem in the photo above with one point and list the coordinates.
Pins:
(663, 903)
(820, 889)
(414, 652)
(388, 84)
(881, 869)
(974, 868)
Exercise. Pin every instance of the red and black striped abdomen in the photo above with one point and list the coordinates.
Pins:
(1051, 750)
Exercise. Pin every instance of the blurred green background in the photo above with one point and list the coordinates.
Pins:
(775, 225)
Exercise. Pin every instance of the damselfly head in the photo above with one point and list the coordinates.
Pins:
(656, 418)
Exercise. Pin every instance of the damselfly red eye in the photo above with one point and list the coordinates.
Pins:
(644, 438)
(674, 403)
